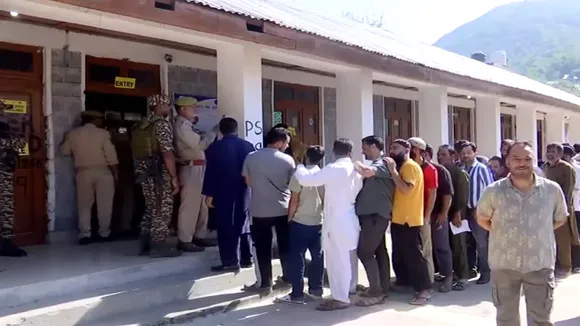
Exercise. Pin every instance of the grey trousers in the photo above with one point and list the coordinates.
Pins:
(428, 249)
(538, 288)
(442, 248)
(372, 252)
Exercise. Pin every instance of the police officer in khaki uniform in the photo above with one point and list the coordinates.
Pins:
(190, 147)
(95, 161)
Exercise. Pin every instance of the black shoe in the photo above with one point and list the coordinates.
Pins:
(483, 279)
(189, 247)
(162, 250)
(99, 239)
(224, 268)
(204, 242)
(9, 249)
(246, 265)
(472, 273)
(144, 244)
(85, 241)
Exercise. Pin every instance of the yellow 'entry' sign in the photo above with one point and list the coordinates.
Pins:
(18, 107)
(124, 82)
(24, 151)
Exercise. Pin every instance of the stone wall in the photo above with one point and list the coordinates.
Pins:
(267, 105)
(192, 81)
(66, 108)
(330, 132)
(379, 116)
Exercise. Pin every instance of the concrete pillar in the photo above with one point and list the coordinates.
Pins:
(526, 125)
(239, 80)
(433, 115)
(574, 129)
(354, 112)
(555, 131)
(488, 125)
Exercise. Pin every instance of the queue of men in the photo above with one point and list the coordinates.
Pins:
(514, 222)
(340, 213)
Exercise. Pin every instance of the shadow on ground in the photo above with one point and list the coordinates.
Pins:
(568, 322)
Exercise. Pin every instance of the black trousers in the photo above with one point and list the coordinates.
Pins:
(409, 264)
(576, 249)
(372, 252)
(261, 229)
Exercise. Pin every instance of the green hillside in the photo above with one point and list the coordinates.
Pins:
(541, 38)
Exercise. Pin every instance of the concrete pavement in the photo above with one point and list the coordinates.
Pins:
(471, 307)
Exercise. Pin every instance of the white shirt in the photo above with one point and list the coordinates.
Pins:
(342, 184)
(576, 166)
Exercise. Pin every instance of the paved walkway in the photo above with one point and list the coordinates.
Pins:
(471, 307)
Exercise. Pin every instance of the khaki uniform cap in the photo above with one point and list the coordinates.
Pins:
(185, 101)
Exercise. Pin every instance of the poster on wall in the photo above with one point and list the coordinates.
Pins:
(11, 106)
(207, 111)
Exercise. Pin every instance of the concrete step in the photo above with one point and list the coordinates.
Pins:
(188, 291)
(187, 311)
(17, 294)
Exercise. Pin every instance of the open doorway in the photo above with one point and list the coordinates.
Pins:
(119, 89)
(121, 113)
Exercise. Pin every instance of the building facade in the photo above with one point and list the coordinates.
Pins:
(59, 58)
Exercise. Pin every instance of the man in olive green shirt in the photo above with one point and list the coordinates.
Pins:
(460, 181)
(563, 173)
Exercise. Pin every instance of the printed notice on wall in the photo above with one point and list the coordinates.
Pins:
(206, 110)
(124, 82)
(25, 151)
(17, 107)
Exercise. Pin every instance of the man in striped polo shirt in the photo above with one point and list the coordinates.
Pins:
(479, 178)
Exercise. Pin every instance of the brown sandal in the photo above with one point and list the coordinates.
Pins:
(369, 301)
(420, 300)
(332, 305)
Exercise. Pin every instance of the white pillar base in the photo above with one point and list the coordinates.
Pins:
(555, 131)
(527, 126)
(488, 125)
(433, 115)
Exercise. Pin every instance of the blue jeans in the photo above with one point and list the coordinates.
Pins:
(302, 238)
(481, 236)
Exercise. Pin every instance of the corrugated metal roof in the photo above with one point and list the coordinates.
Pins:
(298, 17)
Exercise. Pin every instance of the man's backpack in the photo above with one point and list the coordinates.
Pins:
(144, 142)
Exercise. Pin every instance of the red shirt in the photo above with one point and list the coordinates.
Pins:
(430, 180)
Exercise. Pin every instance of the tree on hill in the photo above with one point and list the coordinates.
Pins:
(540, 37)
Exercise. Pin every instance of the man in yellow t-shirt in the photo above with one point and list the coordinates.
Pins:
(407, 218)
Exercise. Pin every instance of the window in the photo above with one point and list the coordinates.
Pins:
(143, 78)
(103, 74)
(16, 60)
(282, 93)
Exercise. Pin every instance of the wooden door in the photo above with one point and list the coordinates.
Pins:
(298, 106)
(21, 89)
(461, 123)
(507, 126)
(398, 119)
(101, 73)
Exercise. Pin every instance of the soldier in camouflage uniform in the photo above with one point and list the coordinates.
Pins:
(9, 148)
(158, 178)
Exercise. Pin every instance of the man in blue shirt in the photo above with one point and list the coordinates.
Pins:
(227, 193)
(479, 178)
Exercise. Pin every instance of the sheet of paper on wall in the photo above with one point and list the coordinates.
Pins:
(206, 111)
(17, 107)
(463, 228)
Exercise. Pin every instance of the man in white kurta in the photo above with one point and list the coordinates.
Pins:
(340, 228)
